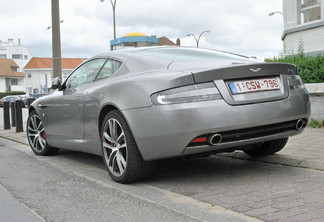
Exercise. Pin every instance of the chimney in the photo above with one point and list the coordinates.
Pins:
(18, 41)
(10, 41)
(178, 42)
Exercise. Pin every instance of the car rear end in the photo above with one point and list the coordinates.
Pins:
(226, 109)
(217, 102)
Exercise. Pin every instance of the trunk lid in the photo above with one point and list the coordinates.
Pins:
(253, 78)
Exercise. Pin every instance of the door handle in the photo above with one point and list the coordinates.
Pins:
(42, 106)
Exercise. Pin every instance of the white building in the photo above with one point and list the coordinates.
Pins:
(39, 73)
(303, 26)
(20, 54)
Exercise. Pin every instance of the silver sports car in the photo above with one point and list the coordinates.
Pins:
(139, 105)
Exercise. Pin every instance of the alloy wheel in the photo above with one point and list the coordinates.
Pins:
(36, 133)
(115, 147)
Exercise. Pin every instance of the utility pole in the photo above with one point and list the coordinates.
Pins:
(56, 39)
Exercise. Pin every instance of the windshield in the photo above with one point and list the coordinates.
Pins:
(178, 54)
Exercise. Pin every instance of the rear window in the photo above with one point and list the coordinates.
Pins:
(189, 54)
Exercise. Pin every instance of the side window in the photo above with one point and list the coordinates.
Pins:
(108, 69)
(85, 73)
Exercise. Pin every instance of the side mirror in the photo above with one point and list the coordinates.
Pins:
(56, 83)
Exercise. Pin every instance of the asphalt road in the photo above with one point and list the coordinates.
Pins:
(74, 186)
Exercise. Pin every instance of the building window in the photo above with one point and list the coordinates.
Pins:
(308, 11)
(3, 56)
(25, 56)
(28, 76)
(14, 82)
(17, 56)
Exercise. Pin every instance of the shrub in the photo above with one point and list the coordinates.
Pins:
(311, 69)
(3, 94)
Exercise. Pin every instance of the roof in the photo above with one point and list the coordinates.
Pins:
(165, 41)
(7, 68)
(47, 63)
(134, 34)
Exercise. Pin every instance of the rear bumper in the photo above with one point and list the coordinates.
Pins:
(166, 131)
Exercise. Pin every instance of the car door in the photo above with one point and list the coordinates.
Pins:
(64, 110)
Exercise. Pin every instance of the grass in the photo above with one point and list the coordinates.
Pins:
(316, 124)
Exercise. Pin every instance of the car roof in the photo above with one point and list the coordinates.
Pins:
(161, 57)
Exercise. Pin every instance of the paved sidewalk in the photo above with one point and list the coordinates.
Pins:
(305, 150)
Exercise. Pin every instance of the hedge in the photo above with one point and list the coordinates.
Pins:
(311, 69)
(3, 94)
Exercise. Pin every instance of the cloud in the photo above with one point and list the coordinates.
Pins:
(238, 26)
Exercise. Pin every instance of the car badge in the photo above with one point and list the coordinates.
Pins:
(255, 69)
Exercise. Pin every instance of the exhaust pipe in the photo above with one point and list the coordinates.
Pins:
(299, 124)
(215, 139)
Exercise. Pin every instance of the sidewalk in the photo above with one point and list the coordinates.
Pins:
(305, 150)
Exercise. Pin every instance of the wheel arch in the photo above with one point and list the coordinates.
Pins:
(31, 109)
(106, 109)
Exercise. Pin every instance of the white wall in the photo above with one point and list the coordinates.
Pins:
(18, 88)
(313, 40)
(38, 77)
(2, 85)
(316, 96)
(312, 37)
(37, 80)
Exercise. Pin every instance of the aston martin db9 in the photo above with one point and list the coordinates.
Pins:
(139, 105)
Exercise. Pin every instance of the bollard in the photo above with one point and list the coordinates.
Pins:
(19, 118)
(13, 116)
(6, 115)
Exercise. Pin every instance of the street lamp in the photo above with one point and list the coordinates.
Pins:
(197, 40)
(113, 4)
(272, 13)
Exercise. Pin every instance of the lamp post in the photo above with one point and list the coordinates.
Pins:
(113, 4)
(272, 13)
(197, 39)
(56, 40)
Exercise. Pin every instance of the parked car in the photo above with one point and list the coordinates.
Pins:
(140, 105)
(9, 99)
(26, 98)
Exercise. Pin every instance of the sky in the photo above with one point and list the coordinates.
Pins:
(238, 26)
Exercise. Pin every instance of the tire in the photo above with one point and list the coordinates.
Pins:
(36, 136)
(267, 148)
(121, 156)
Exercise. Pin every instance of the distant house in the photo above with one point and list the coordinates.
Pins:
(165, 41)
(10, 78)
(303, 26)
(39, 73)
(20, 54)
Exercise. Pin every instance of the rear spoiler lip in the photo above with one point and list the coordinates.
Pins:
(241, 71)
